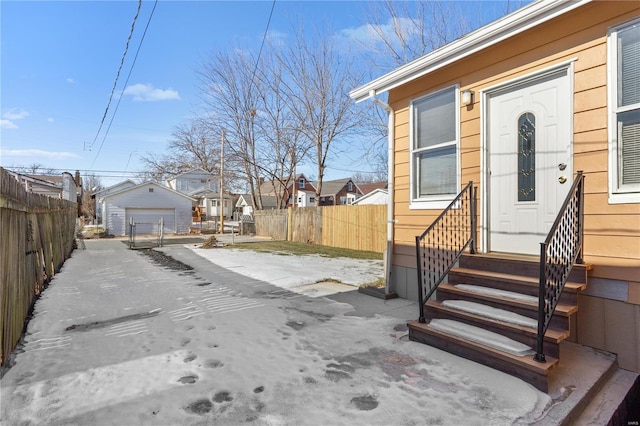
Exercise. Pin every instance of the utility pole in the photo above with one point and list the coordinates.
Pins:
(221, 206)
(295, 178)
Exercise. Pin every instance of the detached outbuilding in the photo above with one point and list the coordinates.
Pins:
(146, 204)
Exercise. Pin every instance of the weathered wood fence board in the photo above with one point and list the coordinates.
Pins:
(361, 227)
(36, 237)
(271, 223)
(306, 225)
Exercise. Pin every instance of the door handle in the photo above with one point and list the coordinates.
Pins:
(562, 179)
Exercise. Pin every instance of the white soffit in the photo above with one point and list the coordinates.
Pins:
(519, 21)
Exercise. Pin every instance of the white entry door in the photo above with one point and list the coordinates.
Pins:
(530, 165)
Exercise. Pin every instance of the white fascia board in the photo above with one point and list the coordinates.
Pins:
(510, 25)
(149, 183)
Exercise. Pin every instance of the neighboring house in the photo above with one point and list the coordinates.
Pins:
(303, 198)
(301, 187)
(59, 186)
(339, 192)
(377, 196)
(210, 201)
(145, 204)
(244, 205)
(193, 181)
(518, 107)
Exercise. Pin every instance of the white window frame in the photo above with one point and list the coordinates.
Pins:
(436, 201)
(628, 193)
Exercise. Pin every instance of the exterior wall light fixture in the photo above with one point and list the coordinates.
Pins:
(467, 97)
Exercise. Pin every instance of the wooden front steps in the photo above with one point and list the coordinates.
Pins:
(498, 293)
(524, 334)
(523, 367)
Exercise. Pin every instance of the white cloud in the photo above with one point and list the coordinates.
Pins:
(15, 114)
(148, 93)
(55, 155)
(370, 35)
(7, 124)
(50, 120)
(70, 80)
(277, 38)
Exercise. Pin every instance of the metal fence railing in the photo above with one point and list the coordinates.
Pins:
(440, 246)
(558, 253)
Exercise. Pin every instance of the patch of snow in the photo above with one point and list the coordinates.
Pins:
(294, 272)
(491, 312)
(498, 293)
(482, 336)
(322, 289)
(199, 360)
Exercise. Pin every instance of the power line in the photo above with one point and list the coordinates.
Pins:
(264, 37)
(66, 170)
(115, 83)
(135, 58)
(352, 171)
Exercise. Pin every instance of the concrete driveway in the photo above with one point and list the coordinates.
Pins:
(124, 338)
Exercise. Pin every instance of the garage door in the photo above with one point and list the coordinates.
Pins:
(147, 220)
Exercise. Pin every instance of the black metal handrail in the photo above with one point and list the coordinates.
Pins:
(558, 253)
(440, 246)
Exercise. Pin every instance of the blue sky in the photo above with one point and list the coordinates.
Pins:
(59, 62)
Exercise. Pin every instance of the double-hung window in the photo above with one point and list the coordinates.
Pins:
(434, 149)
(624, 113)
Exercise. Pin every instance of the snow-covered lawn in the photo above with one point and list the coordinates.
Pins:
(297, 273)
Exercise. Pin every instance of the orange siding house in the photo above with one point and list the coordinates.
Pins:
(567, 74)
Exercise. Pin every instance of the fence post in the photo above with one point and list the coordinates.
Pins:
(472, 208)
(289, 224)
(421, 300)
(539, 356)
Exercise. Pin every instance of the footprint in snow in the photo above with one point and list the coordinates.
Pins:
(188, 380)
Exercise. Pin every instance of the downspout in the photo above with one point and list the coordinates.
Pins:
(390, 178)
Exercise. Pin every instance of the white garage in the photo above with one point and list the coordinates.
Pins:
(146, 204)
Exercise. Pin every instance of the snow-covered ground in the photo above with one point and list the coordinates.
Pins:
(312, 275)
(119, 340)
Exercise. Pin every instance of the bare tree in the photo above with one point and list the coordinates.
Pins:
(39, 169)
(373, 177)
(91, 184)
(280, 128)
(318, 93)
(230, 94)
(251, 102)
(194, 144)
(401, 31)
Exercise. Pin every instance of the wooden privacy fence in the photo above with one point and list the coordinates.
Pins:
(36, 237)
(360, 227)
(271, 223)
